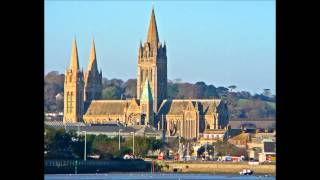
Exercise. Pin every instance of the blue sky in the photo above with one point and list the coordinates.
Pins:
(218, 42)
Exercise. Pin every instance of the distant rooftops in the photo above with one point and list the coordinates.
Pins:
(111, 128)
(253, 119)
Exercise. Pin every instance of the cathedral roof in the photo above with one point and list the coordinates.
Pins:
(177, 106)
(153, 37)
(74, 64)
(107, 107)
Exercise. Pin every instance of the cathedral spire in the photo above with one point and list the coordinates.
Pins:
(146, 92)
(74, 64)
(92, 59)
(153, 37)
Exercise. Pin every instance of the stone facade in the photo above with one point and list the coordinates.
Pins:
(73, 90)
(92, 79)
(152, 65)
(186, 117)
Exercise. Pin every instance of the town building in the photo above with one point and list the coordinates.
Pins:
(240, 140)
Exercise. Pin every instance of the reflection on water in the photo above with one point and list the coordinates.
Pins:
(156, 176)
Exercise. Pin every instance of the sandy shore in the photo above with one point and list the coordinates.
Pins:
(214, 167)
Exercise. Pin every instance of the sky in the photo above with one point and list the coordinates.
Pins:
(222, 43)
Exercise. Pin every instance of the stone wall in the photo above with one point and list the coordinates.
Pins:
(214, 167)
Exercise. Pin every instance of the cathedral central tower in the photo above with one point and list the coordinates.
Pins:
(152, 65)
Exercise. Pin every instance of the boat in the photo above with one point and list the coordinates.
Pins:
(246, 172)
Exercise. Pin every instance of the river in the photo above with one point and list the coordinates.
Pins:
(156, 176)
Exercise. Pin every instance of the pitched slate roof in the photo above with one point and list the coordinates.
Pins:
(107, 107)
(173, 107)
(177, 106)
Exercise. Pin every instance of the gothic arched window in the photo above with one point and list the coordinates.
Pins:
(68, 99)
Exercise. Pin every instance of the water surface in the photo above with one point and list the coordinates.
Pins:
(156, 176)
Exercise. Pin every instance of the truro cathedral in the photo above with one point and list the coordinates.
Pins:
(186, 117)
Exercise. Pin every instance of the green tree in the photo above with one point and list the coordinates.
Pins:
(232, 87)
(130, 88)
(111, 92)
(155, 144)
(172, 90)
(104, 146)
(210, 150)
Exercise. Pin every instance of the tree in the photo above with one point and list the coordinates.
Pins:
(200, 89)
(59, 147)
(155, 144)
(172, 90)
(111, 92)
(104, 146)
(232, 87)
(141, 146)
(130, 88)
(211, 92)
(53, 84)
(222, 91)
(210, 150)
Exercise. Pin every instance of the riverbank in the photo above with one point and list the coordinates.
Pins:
(213, 167)
(155, 176)
(93, 166)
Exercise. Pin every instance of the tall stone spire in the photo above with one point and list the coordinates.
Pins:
(146, 92)
(153, 37)
(146, 103)
(92, 79)
(74, 64)
(92, 59)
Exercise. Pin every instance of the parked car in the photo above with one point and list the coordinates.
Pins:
(128, 156)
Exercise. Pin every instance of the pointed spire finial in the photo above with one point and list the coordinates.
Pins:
(74, 64)
(92, 59)
(153, 36)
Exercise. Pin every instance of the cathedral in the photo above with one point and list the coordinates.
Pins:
(185, 117)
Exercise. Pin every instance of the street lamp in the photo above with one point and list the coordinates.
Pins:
(133, 143)
(119, 138)
(85, 145)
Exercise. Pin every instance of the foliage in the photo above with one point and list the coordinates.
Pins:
(105, 146)
(111, 92)
(68, 145)
(210, 150)
(53, 84)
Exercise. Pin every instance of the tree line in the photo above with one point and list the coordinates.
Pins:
(255, 106)
(59, 144)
